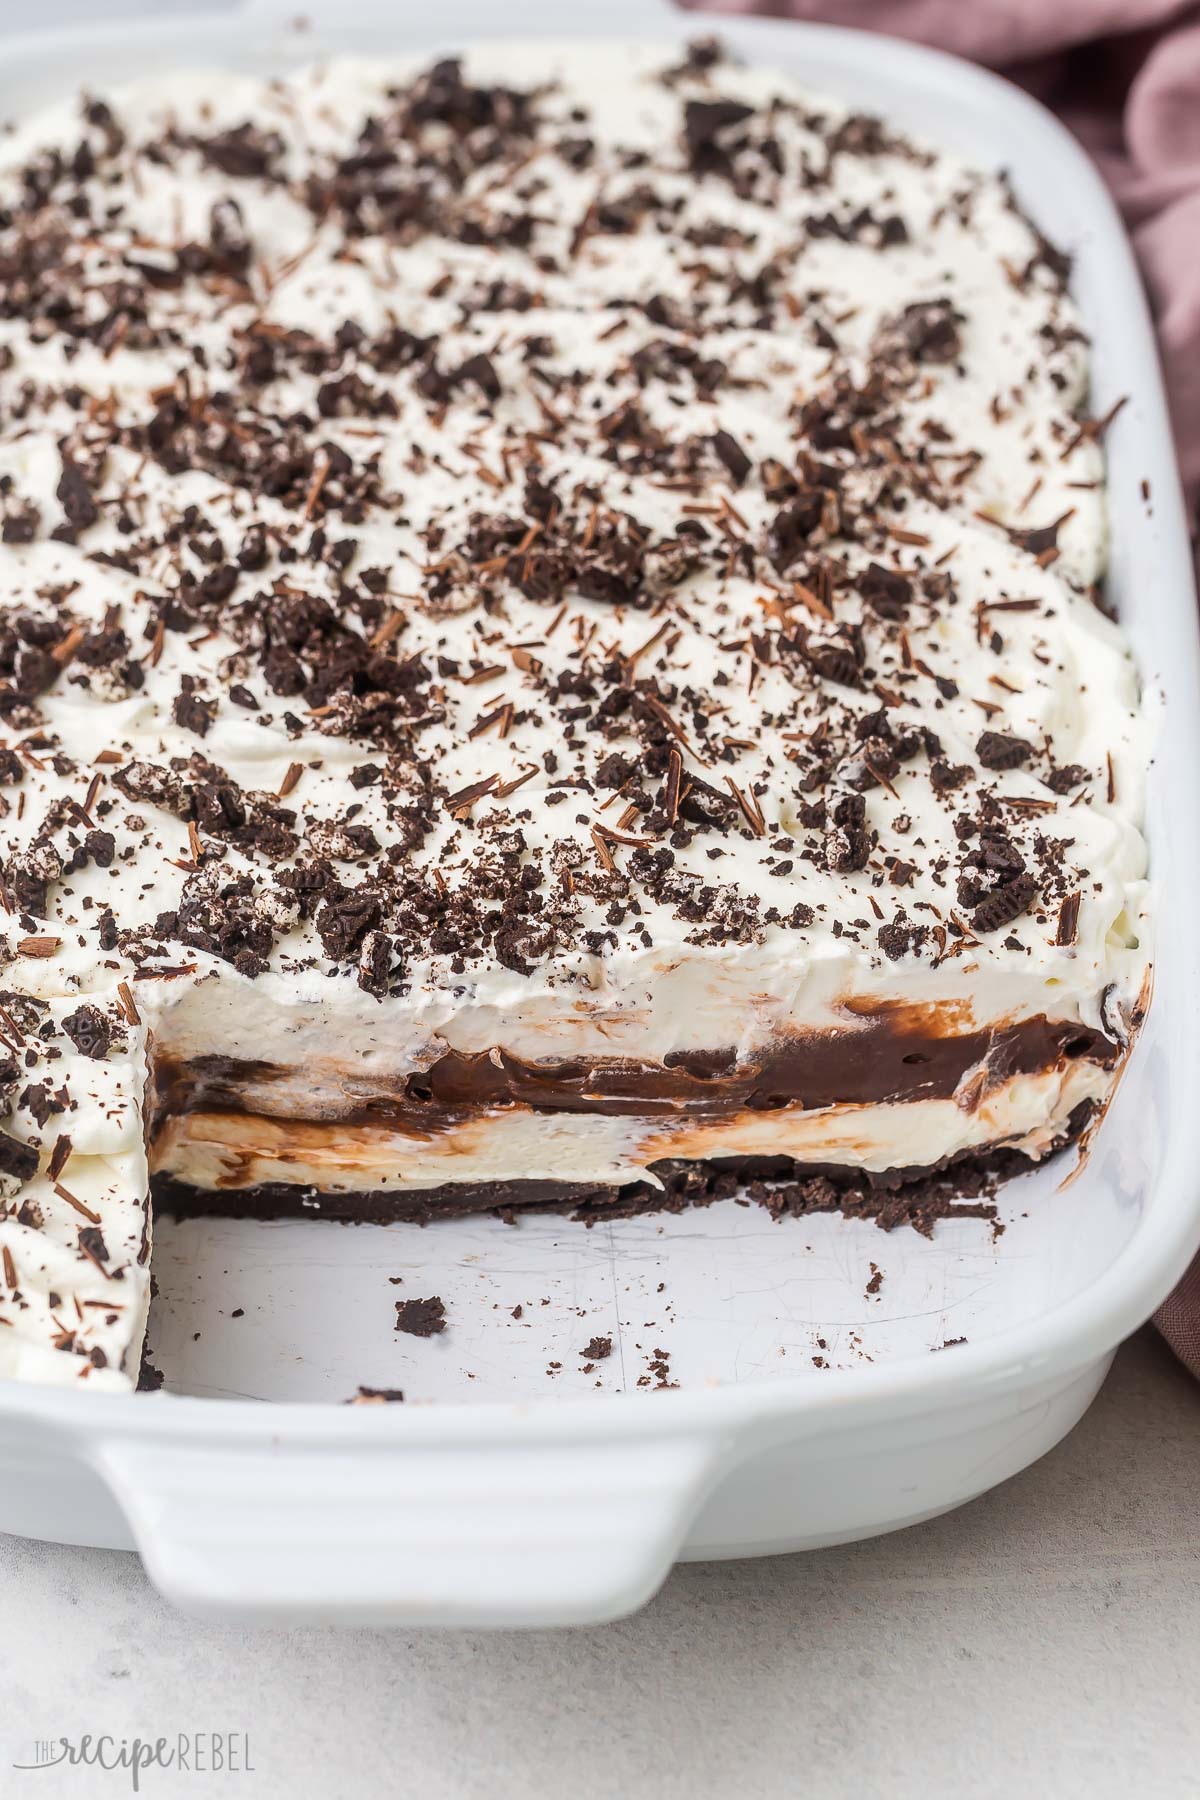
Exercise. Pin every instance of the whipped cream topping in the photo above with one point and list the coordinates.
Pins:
(582, 550)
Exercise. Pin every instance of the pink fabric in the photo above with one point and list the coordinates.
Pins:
(1125, 76)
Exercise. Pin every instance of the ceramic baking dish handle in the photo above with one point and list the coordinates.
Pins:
(504, 1534)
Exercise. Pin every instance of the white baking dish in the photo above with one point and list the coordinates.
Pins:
(519, 1494)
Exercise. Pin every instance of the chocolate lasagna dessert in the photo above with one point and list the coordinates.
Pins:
(551, 647)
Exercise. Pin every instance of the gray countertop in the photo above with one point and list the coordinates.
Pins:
(1044, 1640)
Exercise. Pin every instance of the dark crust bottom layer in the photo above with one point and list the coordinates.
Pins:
(962, 1186)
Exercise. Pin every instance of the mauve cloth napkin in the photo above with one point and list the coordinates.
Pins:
(1125, 76)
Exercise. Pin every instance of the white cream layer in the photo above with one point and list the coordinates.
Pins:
(229, 1151)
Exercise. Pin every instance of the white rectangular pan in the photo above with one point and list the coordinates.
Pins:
(506, 1495)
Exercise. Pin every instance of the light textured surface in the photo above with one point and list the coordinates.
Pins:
(1041, 1641)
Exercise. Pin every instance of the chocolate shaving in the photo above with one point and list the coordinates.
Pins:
(1068, 919)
